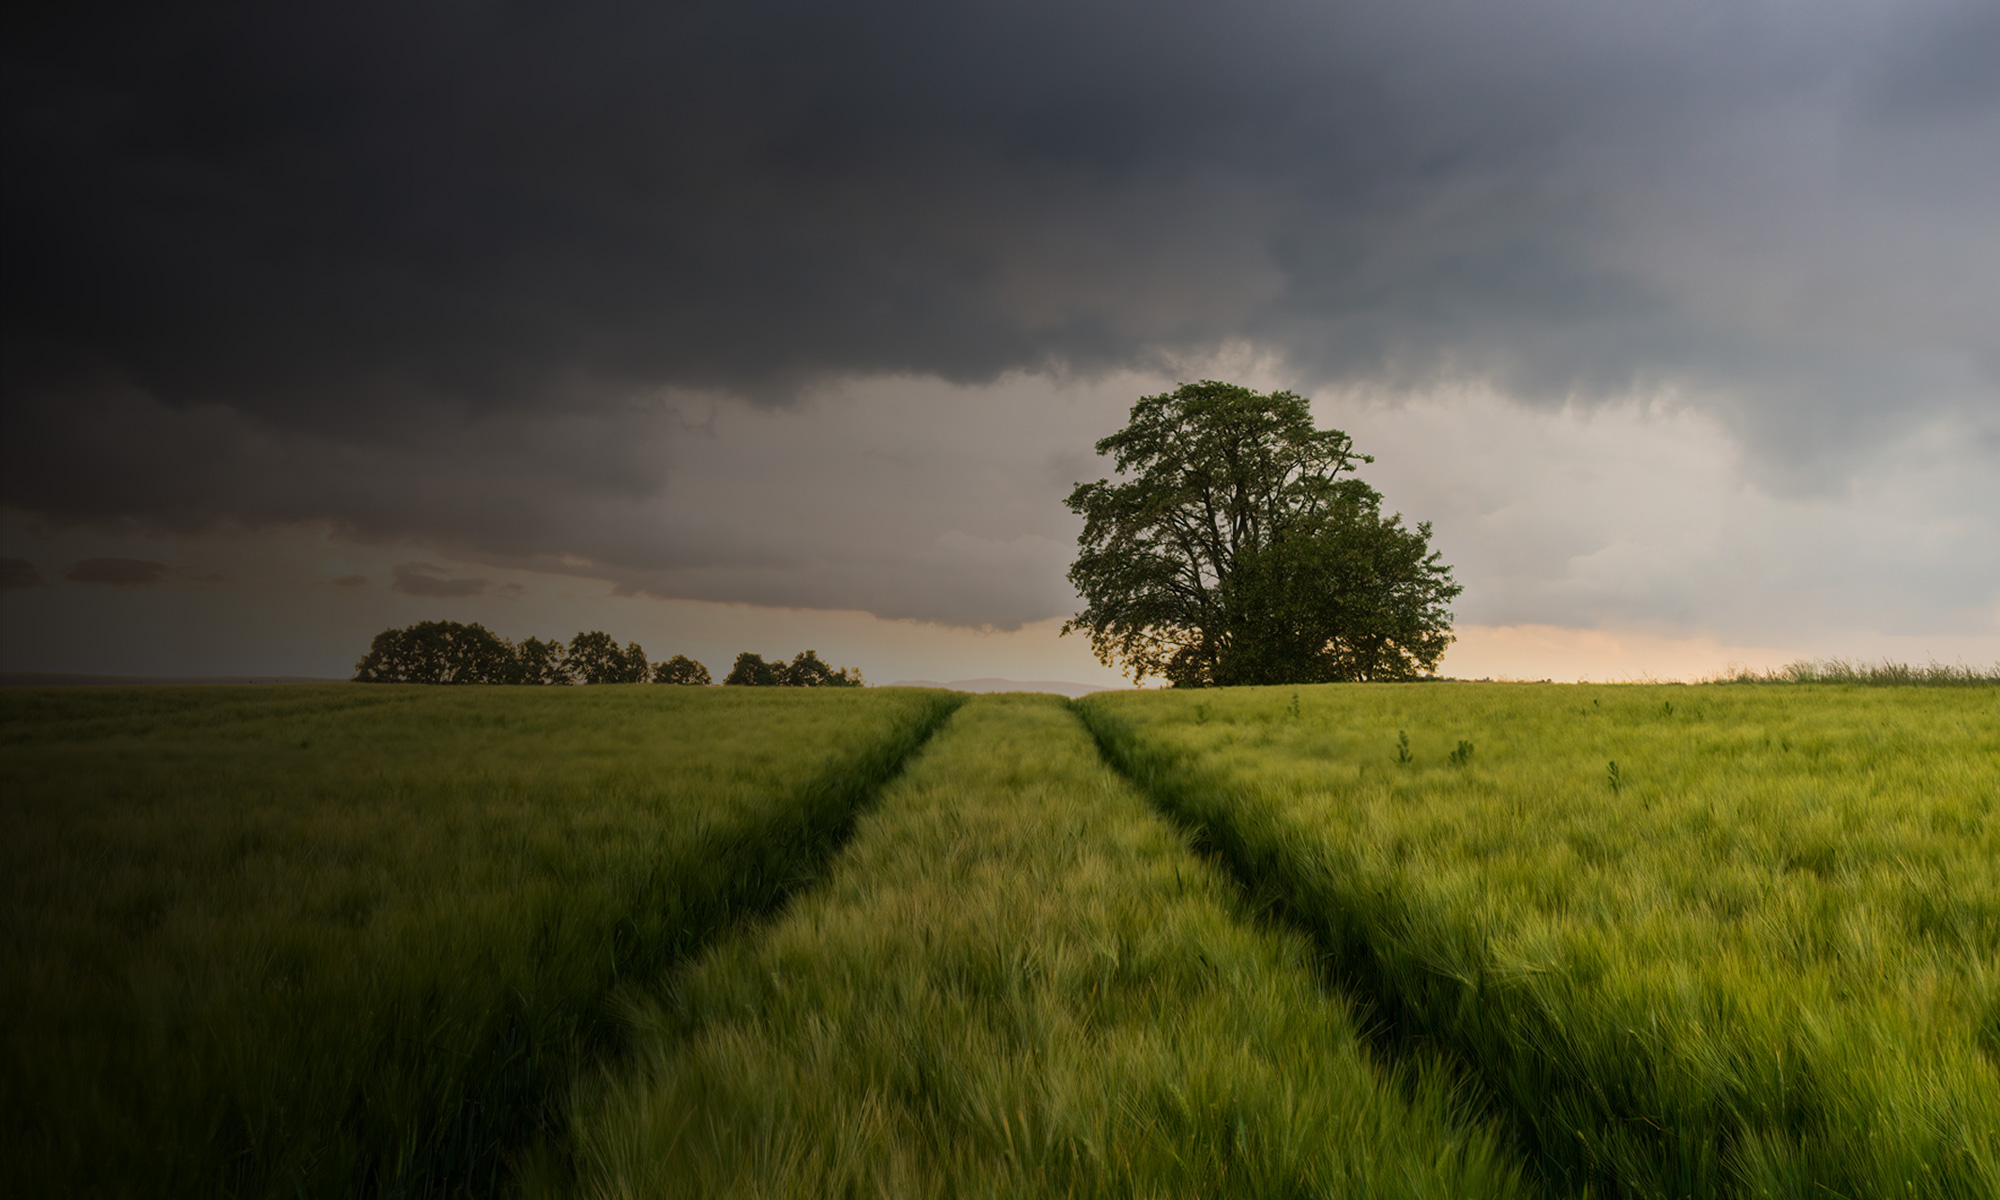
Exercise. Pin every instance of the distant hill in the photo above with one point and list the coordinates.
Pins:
(1060, 687)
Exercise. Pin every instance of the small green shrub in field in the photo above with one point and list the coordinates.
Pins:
(351, 940)
(1017, 981)
(1764, 961)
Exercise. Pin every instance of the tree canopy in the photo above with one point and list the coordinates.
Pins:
(1239, 548)
(543, 662)
(805, 670)
(448, 652)
(594, 657)
(438, 652)
(681, 669)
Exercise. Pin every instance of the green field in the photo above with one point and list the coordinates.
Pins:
(643, 940)
(1019, 982)
(323, 940)
(1759, 957)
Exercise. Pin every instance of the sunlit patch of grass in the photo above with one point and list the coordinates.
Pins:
(340, 940)
(1765, 960)
(1017, 981)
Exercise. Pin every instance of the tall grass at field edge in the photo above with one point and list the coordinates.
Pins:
(1882, 674)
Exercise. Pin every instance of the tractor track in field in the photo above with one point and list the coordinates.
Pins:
(1348, 970)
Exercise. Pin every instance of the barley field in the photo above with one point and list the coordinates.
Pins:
(340, 940)
(1713, 941)
(1427, 940)
(1020, 982)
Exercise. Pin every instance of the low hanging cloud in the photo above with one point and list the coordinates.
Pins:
(467, 277)
(19, 573)
(116, 572)
(430, 582)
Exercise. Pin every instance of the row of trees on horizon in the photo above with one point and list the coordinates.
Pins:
(448, 652)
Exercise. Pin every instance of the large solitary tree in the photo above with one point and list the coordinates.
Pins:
(1239, 548)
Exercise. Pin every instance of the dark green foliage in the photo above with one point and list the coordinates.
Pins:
(752, 671)
(594, 657)
(806, 670)
(1236, 553)
(438, 652)
(540, 662)
(448, 652)
(683, 670)
(1461, 755)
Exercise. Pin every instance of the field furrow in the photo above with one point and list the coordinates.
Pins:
(358, 941)
(1016, 981)
(1691, 942)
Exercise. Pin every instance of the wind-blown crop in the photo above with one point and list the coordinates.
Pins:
(1763, 961)
(331, 941)
(1017, 981)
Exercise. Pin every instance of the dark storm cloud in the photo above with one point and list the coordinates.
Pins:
(18, 573)
(426, 270)
(116, 572)
(429, 582)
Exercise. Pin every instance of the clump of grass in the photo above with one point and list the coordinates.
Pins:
(1882, 674)
(330, 941)
(1017, 981)
(1767, 963)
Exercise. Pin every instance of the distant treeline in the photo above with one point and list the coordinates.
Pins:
(448, 652)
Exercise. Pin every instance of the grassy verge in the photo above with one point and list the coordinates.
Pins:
(1882, 674)
(1017, 981)
(1693, 943)
(342, 940)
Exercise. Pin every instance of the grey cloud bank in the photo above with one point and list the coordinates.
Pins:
(490, 280)
(19, 573)
(431, 582)
(116, 572)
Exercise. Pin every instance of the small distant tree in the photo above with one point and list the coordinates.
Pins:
(540, 662)
(683, 670)
(438, 652)
(809, 670)
(752, 671)
(635, 668)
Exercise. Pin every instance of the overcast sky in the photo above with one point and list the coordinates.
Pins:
(758, 326)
